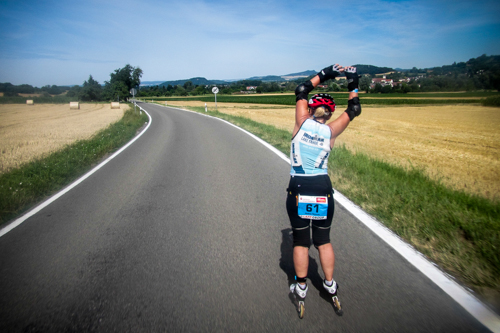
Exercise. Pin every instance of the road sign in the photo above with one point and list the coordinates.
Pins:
(215, 90)
(133, 91)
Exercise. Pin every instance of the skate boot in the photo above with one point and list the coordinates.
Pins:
(300, 296)
(332, 290)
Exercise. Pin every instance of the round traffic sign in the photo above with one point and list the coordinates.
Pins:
(133, 91)
(215, 90)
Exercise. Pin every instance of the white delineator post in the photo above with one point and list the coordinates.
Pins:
(133, 91)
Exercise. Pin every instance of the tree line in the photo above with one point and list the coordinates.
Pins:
(482, 73)
(116, 89)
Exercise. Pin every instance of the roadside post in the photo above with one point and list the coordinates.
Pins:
(215, 90)
(205, 107)
(133, 91)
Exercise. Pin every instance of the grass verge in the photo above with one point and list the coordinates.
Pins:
(458, 231)
(23, 187)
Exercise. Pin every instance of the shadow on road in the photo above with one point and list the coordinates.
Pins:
(286, 264)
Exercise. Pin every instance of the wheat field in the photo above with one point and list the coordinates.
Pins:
(28, 132)
(456, 144)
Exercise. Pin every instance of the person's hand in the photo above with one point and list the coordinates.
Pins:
(330, 72)
(352, 78)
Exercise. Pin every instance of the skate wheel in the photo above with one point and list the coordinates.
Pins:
(301, 310)
(338, 307)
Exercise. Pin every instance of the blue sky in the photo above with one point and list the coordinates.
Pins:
(63, 42)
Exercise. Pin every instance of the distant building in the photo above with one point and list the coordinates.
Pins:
(382, 81)
(251, 87)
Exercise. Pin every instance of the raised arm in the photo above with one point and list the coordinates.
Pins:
(353, 106)
(302, 91)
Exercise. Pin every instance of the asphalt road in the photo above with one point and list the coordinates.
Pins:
(186, 230)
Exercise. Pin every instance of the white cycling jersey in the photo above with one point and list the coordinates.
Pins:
(310, 149)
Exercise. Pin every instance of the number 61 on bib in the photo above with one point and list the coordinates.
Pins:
(313, 207)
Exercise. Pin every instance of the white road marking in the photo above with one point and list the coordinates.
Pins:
(38, 208)
(462, 296)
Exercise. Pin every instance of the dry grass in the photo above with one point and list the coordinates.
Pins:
(28, 132)
(458, 144)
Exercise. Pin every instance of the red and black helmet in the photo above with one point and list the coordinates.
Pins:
(322, 100)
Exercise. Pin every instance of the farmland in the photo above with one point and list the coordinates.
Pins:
(54, 146)
(29, 132)
(341, 98)
(456, 144)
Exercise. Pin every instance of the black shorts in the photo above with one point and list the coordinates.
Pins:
(313, 185)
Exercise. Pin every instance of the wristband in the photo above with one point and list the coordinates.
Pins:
(355, 90)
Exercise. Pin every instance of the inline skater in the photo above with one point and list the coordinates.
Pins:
(310, 193)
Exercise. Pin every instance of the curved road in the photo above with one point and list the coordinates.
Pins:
(186, 230)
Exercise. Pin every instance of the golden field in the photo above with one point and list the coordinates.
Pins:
(457, 144)
(29, 132)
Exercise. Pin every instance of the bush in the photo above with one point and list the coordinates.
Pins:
(492, 101)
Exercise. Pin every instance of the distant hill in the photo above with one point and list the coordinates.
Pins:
(197, 81)
(481, 63)
(150, 83)
(372, 70)
(304, 73)
(268, 78)
(286, 77)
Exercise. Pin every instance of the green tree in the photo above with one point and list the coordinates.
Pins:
(180, 91)
(188, 85)
(290, 86)
(120, 83)
(365, 82)
(199, 90)
(333, 86)
(405, 88)
(386, 89)
(74, 91)
(91, 90)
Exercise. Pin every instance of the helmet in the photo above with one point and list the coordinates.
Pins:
(322, 100)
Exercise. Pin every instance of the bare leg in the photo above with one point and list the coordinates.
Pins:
(301, 260)
(327, 258)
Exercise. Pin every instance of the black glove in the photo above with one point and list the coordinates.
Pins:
(328, 73)
(353, 108)
(302, 91)
(352, 78)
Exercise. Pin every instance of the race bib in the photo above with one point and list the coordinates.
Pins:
(313, 207)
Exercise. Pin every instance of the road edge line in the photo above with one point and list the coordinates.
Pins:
(457, 292)
(59, 194)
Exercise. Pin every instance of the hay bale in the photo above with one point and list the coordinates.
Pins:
(29, 102)
(74, 105)
(115, 105)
